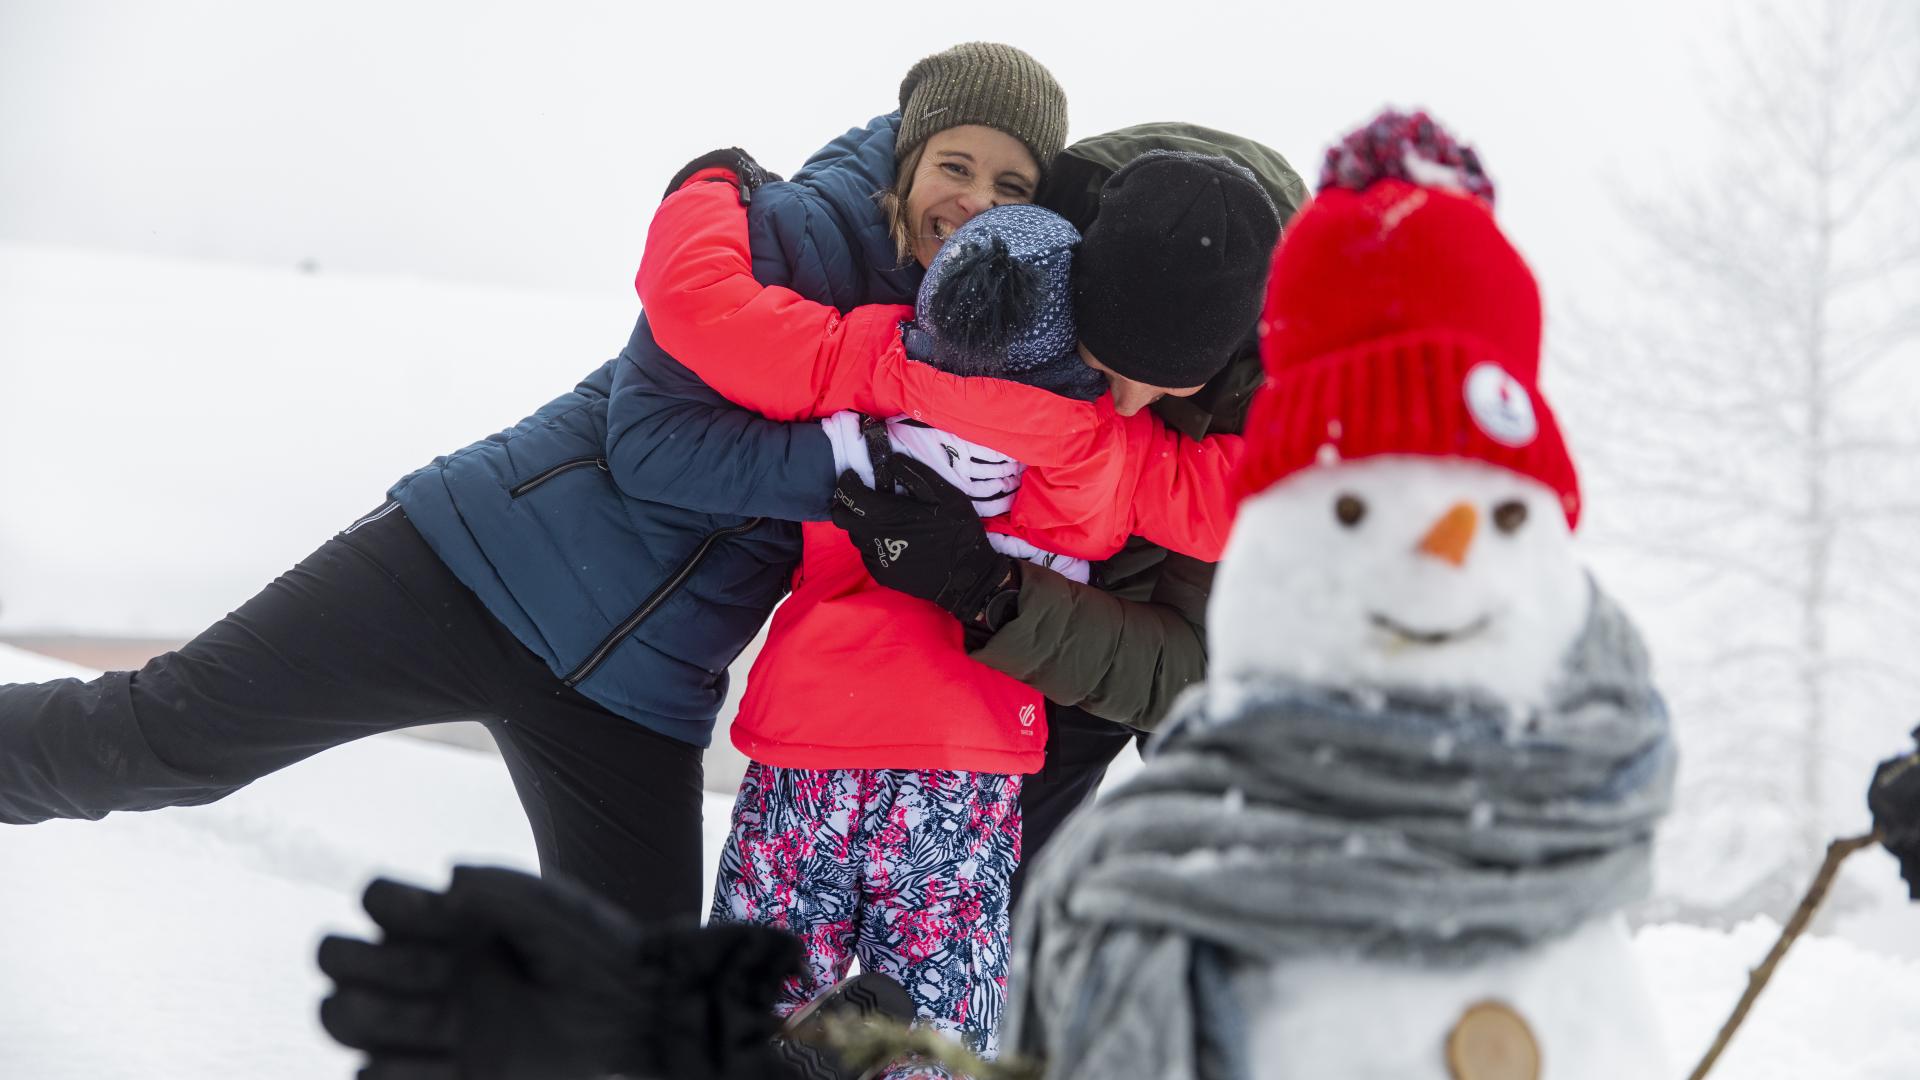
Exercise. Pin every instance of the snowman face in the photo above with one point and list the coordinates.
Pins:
(1400, 572)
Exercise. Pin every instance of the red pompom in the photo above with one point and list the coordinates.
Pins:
(1410, 147)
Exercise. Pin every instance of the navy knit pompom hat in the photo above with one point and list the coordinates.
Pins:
(998, 299)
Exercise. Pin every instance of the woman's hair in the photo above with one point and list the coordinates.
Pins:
(893, 200)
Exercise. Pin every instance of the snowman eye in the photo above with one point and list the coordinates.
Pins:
(1510, 515)
(1349, 509)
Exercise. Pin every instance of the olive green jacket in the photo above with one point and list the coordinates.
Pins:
(1124, 650)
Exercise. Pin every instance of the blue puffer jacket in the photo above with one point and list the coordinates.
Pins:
(636, 532)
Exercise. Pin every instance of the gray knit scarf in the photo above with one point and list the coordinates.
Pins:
(1284, 820)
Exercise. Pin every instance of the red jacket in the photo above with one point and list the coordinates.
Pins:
(856, 675)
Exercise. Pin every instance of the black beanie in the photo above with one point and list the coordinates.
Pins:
(1169, 279)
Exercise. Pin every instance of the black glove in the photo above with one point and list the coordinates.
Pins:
(1894, 798)
(927, 542)
(747, 170)
(509, 977)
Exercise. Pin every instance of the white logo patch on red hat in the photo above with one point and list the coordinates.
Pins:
(1500, 405)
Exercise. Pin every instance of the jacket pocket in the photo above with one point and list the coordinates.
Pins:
(535, 481)
(653, 601)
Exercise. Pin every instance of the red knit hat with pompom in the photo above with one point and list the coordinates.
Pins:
(1399, 320)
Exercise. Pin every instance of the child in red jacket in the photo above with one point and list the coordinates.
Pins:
(880, 819)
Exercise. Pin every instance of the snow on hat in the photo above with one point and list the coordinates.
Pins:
(1399, 320)
(998, 298)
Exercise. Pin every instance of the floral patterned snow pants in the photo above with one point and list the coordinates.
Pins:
(907, 871)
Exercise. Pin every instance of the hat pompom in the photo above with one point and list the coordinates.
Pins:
(986, 298)
(1409, 147)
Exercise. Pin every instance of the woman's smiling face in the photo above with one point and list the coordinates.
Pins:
(963, 171)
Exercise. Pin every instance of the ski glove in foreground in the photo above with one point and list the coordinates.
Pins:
(508, 977)
(1894, 799)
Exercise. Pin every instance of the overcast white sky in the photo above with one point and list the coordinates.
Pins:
(525, 144)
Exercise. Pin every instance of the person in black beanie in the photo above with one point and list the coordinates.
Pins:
(1167, 285)
(1199, 231)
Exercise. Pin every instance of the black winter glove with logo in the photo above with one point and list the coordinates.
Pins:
(926, 542)
(745, 169)
(1894, 798)
(510, 977)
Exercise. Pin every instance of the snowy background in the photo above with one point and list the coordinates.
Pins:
(259, 260)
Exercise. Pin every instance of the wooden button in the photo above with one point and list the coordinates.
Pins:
(1490, 1041)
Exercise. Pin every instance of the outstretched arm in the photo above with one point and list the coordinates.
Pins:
(764, 347)
(1159, 484)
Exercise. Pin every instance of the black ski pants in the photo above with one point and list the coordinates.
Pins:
(370, 633)
(1080, 746)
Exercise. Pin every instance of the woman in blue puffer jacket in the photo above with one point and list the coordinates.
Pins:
(579, 582)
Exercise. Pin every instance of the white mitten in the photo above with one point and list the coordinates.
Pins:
(849, 447)
(988, 477)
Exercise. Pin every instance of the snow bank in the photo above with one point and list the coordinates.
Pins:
(176, 434)
(1834, 1010)
(179, 943)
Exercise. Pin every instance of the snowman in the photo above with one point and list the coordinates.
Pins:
(1394, 834)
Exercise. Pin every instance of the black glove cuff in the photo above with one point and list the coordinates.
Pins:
(969, 598)
(749, 172)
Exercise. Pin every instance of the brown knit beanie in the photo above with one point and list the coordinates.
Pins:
(984, 83)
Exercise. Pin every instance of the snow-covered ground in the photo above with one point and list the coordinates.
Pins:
(179, 943)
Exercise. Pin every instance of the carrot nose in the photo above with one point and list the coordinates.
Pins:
(1452, 535)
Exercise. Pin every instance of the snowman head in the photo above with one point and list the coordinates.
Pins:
(1407, 499)
(1401, 572)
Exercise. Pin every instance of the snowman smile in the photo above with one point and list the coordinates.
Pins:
(1408, 635)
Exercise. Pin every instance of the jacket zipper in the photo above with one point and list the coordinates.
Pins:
(566, 466)
(599, 655)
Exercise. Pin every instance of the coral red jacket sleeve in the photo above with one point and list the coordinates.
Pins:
(1156, 484)
(787, 357)
(766, 348)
